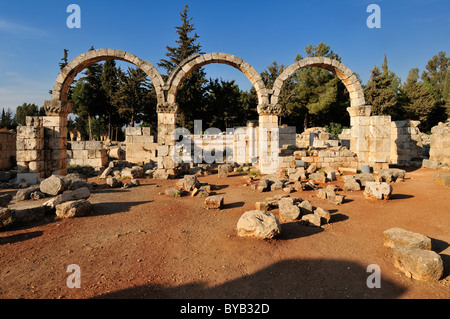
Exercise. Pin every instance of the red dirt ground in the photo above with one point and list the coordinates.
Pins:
(137, 243)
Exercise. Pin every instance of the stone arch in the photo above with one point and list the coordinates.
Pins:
(357, 101)
(196, 61)
(59, 103)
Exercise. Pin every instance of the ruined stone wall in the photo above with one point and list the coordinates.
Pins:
(141, 147)
(7, 150)
(316, 137)
(440, 144)
(406, 143)
(371, 140)
(333, 157)
(87, 153)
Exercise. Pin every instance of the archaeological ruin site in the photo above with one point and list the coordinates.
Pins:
(258, 211)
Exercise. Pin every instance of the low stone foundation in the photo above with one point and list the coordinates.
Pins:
(440, 145)
(87, 153)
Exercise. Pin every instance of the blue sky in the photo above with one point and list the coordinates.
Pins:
(33, 35)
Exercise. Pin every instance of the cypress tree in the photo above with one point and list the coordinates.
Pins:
(191, 93)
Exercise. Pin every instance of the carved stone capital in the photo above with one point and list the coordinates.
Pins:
(363, 110)
(57, 107)
(167, 107)
(269, 109)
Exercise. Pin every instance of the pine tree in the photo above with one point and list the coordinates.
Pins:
(187, 45)
(132, 97)
(378, 93)
(393, 78)
(191, 93)
(25, 110)
(287, 93)
(64, 60)
(223, 107)
(110, 85)
(417, 100)
(319, 96)
(94, 97)
(7, 121)
(437, 76)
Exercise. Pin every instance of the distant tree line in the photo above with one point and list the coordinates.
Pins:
(107, 98)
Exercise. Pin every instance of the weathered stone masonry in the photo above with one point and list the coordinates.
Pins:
(46, 137)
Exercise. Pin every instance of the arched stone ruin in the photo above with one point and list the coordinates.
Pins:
(48, 154)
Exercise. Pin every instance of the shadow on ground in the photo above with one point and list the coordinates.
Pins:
(108, 208)
(19, 237)
(288, 279)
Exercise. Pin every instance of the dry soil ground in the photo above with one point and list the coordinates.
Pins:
(137, 243)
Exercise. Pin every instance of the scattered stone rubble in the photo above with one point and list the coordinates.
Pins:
(68, 197)
(412, 254)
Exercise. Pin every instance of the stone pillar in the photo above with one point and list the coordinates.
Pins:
(30, 150)
(252, 142)
(166, 137)
(55, 143)
(359, 136)
(380, 142)
(268, 143)
(440, 143)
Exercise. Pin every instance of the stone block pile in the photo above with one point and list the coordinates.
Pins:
(191, 185)
(316, 137)
(262, 224)
(67, 198)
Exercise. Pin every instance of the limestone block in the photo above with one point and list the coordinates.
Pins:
(146, 131)
(73, 209)
(258, 224)
(163, 150)
(30, 132)
(214, 202)
(142, 139)
(93, 145)
(35, 121)
(29, 155)
(133, 131)
(378, 190)
(29, 144)
(54, 121)
(56, 143)
(401, 237)
(418, 263)
(80, 154)
(78, 145)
